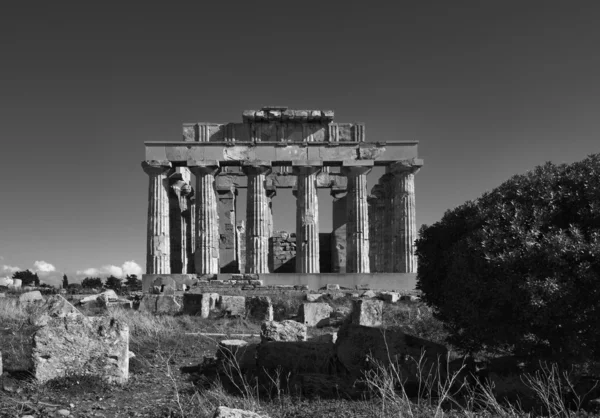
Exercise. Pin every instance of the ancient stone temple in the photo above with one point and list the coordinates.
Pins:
(193, 226)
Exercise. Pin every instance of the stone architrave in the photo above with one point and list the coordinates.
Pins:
(206, 256)
(404, 222)
(338, 234)
(357, 228)
(307, 219)
(158, 259)
(257, 218)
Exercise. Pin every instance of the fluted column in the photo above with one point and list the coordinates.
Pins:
(158, 258)
(257, 219)
(338, 233)
(387, 254)
(178, 212)
(206, 256)
(191, 232)
(373, 250)
(357, 228)
(404, 221)
(307, 220)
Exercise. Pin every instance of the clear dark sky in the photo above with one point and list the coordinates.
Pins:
(489, 88)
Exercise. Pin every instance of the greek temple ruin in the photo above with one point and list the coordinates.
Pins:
(193, 227)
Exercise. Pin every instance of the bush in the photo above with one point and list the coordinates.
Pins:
(519, 268)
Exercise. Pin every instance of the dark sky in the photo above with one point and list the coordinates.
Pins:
(489, 88)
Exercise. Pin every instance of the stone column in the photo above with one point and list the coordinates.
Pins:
(357, 227)
(307, 219)
(178, 212)
(206, 256)
(158, 259)
(404, 221)
(372, 202)
(338, 234)
(257, 218)
(271, 193)
(191, 232)
(387, 257)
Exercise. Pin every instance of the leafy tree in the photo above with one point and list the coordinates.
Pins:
(65, 282)
(92, 282)
(113, 283)
(27, 277)
(132, 281)
(519, 267)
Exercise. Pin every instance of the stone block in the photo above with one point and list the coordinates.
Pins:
(296, 356)
(331, 287)
(391, 297)
(330, 337)
(357, 346)
(167, 304)
(259, 307)
(312, 314)
(225, 412)
(196, 304)
(410, 298)
(233, 305)
(236, 353)
(367, 312)
(77, 345)
(368, 294)
(31, 297)
(286, 330)
(336, 295)
(121, 303)
(313, 297)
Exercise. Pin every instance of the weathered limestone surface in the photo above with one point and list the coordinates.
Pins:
(357, 346)
(404, 222)
(313, 297)
(259, 307)
(206, 257)
(357, 228)
(31, 297)
(179, 191)
(282, 331)
(166, 304)
(76, 345)
(197, 304)
(307, 220)
(191, 232)
(225, 412)
(312, 314)
(233, 305)
(367, 312)
(282, 252)
(257, 219)
(391, 297)
(158, 258)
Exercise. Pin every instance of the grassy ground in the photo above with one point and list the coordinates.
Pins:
(164, 344)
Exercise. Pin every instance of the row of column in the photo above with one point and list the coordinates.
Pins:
(384, 244)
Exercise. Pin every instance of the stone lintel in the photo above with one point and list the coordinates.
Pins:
(403, 166)
(156, 166)
(307, 163)
(358, 163)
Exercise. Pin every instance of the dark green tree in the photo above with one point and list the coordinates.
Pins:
(92, 282)
(519, 267)
(65, 282)
(132, 281)
(113, 283)
(27, 277)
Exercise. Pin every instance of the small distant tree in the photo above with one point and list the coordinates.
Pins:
(113, 283)
(132, 281)
(92, 282)
(65, 283)
(27, 277)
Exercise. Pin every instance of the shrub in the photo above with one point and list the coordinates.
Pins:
(519, 268)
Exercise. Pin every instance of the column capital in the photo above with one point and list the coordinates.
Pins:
(271, 191)
(256, 167)
(306, 167)
(200, 168)
(155, 167)
(338, 193)
(405, 166)
(355, 170)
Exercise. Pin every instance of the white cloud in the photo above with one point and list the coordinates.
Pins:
(10, 269)
(43, 267)
(131, 267)
(128, 267)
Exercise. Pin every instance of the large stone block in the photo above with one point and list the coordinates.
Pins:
(368, 312)
(233, 305)
(359, 347)
(31, 297)
(197, 304)
(282, 331)
(166, 304)
(259, 307)
(391, 297)
(236, 355)
(76, 345)
(297, 356)
(225, 412)
(312, 314)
